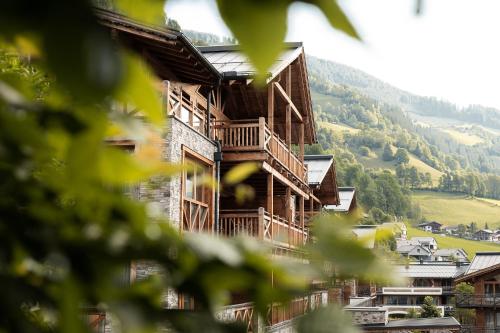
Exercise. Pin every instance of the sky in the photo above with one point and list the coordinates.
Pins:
(450, 51)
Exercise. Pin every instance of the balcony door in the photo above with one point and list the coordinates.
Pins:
(197, 196)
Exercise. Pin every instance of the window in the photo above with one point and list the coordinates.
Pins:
(194, 188)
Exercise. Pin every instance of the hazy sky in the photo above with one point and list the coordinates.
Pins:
(451, 51)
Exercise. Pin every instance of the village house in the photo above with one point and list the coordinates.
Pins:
(433, 226)
(483, 235)
(218, 118)
(423, 279)
(457, 255)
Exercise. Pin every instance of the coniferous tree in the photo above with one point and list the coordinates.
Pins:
(429, 310)
(388, 155)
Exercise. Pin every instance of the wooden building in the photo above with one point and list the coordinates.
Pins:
(217, 117)
(484, 275)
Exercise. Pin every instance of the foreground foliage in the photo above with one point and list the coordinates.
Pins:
(68, 231)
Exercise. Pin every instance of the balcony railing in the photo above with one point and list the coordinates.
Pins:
(240, 312)
(410, 290)
(278, 313)
(258, 223)
(255, 135)
(482, 300)
(475, 329)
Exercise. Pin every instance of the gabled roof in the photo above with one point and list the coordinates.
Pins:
(413, 250)
(488, 231)
(483, 260)
(347, 196)
(366, 234)
(233, 64)
(168, 51)
(424, 239)
(322, 177)
(430, 270)
(429, 223)
(450, 252)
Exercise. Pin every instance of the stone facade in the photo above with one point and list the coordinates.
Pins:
(179, 135)
(364, 316)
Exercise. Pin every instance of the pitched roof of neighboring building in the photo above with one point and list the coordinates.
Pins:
(366, 234)
(430, 270)
(483, 260)
(347, 197)
(322, 177)
(421, 323)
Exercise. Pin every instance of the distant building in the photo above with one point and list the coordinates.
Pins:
(347, 203)
(427, 242)
(458, 255)
(483, 235)
(366, 234)
(450, 229)
(416, 252)
(433, 226)
(422, 279)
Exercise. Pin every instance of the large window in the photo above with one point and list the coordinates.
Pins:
(196, 206)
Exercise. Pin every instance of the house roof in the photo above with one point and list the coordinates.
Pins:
(424, 239)
(232, 63)
(413, 250)
(322, 177)
(429, 223)
(421, 323)
(168, 51)
(366, 234)
(488, 231)
(346, 198)
(483, 260)
(430, 270)
(450, 252)
(237, 72)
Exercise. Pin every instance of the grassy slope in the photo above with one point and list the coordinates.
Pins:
(464, 138)
(377, 162)
(338, 127)
(453, 209)
(471, 247)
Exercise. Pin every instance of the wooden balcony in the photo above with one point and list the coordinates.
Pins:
(478, 301)
(258, 223)
(255, 136)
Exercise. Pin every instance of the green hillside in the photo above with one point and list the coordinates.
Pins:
(470, 246)
(453, 209)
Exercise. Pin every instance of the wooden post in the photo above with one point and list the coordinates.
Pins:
(301, 212)
(288, 90)
(270, 106)
(288, 206)
(261, 223)
(301, 142)
(262, 133)
(270, 202)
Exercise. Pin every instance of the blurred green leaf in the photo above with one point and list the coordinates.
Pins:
(336, 16)
(259, 26)
(137, 88)
(147, 11)
(330, 319)
(240, 172)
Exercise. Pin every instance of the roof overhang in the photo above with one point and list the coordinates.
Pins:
(323, 178)
(171, 55)
(477, 273)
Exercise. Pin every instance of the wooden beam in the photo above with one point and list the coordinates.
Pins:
(301, 142)
(301, 216)
(270, 107)
(270, 201)
(282, 179)
(286, 98)
(288, 211)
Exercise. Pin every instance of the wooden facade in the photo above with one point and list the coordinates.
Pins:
(268, 124)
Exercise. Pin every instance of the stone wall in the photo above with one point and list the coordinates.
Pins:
(364, 316)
